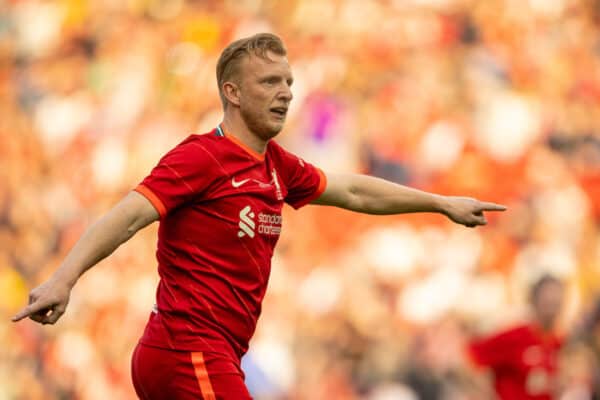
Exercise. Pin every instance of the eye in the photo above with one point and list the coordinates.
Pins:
(271, 80)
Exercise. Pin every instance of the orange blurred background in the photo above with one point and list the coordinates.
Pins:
(492, 99)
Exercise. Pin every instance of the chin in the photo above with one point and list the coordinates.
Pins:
(265, 128)
(270, 134)
(277, 127)
(270, 130)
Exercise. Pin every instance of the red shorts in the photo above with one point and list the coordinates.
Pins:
(159, 374)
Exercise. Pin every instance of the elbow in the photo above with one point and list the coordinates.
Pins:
(124, 236)
(138, 221)
(132, 228)
(353, 200)
(360, 203)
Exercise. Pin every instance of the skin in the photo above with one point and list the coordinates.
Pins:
(48, 301)
(547, 304)
(261, 85)
(546, 308)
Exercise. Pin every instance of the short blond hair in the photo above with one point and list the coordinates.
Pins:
(258, 45)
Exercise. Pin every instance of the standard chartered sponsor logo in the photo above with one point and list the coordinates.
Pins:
(269, 219)
(246, 224)
(268, 224)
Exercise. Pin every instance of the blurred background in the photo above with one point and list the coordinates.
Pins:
(496, 99)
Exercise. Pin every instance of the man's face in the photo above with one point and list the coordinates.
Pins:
(265, 93)
(548, 303)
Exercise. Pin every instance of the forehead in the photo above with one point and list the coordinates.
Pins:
(550, 289)
(258, 66)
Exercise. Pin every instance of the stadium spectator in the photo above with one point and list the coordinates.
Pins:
(524, 359)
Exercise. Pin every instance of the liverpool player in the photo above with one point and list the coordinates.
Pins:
(523, 359)
(218, 197)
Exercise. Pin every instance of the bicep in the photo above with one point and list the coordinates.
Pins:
(136, 210)
(338, 191)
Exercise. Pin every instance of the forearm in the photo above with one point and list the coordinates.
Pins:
(48, 301)
(101, 240)
(370, 195)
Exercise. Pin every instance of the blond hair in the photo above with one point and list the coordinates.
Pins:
(258, 45)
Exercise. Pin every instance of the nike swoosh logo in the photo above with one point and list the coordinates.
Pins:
(238, 183)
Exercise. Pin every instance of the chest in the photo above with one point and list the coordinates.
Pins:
(245, 201)
(536, 367)
(537, 355)
(249, 182)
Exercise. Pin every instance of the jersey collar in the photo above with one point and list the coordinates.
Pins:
(220, 131)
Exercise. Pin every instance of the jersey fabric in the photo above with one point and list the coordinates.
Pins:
(220, 208)
(161, 374)
(523, 361)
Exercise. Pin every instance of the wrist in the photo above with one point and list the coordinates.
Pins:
(441, 204)
(62, 278)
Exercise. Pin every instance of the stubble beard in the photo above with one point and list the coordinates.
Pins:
(259, 125)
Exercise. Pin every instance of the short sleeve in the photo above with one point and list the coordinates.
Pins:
(496, 350)
(482, 353)
(181, 175)
(304, 182)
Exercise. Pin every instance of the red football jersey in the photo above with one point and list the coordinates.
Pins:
(523, 361)
(220, 217)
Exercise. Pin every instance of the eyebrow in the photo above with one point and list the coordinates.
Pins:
(278, 77)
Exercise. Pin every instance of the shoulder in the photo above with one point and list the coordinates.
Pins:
(515, 331)
(281, 155)
(515, 335)
(196, 151)
(197, 146)
(274, 148)
(196, 140)
(507, 335)
(518, 330)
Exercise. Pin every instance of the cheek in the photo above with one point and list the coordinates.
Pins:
(254, 102)
(551, 306)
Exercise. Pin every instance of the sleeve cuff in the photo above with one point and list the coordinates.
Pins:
(320, 189)
(472, 358)
(153, 198)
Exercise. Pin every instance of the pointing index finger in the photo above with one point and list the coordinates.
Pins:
(28, 311)
(22, 314)
(487, 206)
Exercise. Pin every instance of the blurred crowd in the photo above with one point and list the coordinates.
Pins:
(495, 99)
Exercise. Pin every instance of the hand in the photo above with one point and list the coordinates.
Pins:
(468, 211)
(47, 302)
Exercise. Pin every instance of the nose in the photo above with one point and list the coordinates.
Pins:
(286, 93)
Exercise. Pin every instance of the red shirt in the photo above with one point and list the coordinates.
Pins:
(220, 218)
(523, 361)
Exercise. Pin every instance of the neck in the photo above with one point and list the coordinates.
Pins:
(545, 326)
(234, 125)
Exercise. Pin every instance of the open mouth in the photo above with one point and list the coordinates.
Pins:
(279, 111)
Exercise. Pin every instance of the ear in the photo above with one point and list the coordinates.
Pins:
(231, 91)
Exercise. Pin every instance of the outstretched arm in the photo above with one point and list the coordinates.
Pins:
(48, 301)
(370, 195)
